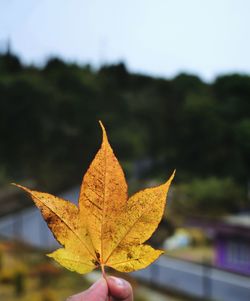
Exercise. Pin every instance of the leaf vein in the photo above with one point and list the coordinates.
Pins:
(129, 230)
(76, 234)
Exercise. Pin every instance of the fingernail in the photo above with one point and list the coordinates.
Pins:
(118, 281)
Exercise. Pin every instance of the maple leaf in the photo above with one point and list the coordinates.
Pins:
(107, 228)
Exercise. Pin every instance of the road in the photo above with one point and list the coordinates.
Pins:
(196, 280)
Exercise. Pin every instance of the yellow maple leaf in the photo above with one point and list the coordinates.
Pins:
(107, 228)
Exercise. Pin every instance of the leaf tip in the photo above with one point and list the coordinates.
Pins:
(173, 174)
(50, 255)
(101, 124)
(18, 185)
(104, 133)
(159, 253)
(21, 187)
(170, 178)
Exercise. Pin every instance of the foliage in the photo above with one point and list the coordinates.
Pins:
(48, 116)
(106, 229)
(209, 196)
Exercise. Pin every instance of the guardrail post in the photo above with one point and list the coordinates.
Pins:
(206, 280)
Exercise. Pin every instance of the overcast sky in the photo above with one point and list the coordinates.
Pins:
(158, 37)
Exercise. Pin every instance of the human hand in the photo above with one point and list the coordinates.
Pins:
(113, 287)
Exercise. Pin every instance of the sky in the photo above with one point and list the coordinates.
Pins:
(157, 37)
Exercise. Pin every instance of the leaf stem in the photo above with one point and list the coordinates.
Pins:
(105, 277)
(103, 272)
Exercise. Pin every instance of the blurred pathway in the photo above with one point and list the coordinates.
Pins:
(152, 295)
(196, 279)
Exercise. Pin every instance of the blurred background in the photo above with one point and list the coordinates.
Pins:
(170, 80)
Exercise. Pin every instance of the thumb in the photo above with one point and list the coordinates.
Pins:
(98, 291)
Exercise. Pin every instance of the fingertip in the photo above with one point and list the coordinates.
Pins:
(98, 291)
(120, 288)
(100, 284)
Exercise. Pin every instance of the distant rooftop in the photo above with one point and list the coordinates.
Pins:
(237, 225)
(238, 220)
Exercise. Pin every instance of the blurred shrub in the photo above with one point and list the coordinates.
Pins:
(19, 283)
(209, 196)
(49, 131)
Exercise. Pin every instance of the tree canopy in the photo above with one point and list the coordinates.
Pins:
(48, 122)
